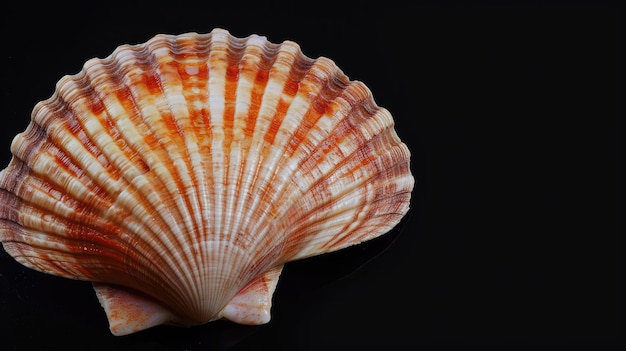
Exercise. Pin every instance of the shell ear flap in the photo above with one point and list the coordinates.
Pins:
(129, 311)
(252, 304)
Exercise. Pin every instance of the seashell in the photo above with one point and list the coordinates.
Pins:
(181, 174)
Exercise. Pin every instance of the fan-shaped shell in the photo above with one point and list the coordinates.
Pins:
(181, 174)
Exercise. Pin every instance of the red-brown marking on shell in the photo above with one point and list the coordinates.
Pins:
(255, 101)
(152, 81)
(230, 92)
(96, 107)
(125, 97)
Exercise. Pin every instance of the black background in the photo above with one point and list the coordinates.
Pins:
(511, 112)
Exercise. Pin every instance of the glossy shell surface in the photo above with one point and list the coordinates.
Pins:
(181, 174)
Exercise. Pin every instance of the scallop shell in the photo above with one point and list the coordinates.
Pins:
(181, 174)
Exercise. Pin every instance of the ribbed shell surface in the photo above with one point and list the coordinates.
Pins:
(187, 168)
